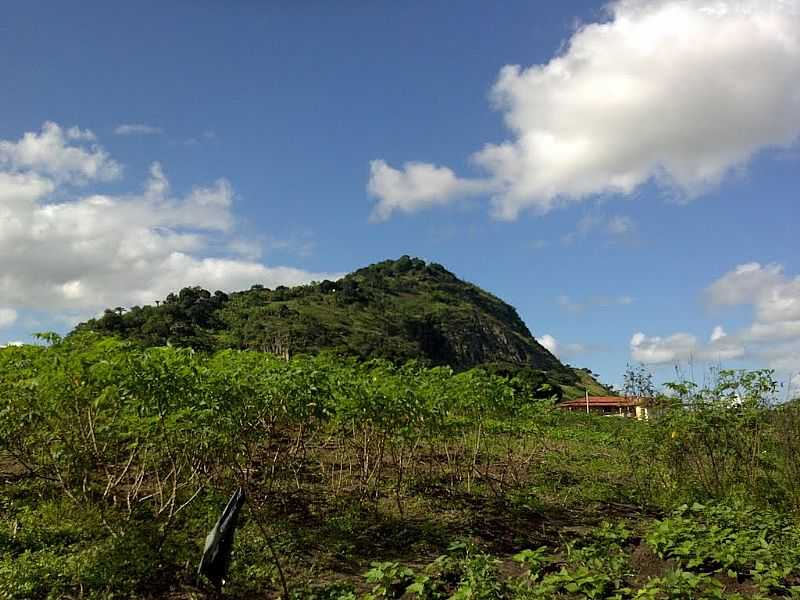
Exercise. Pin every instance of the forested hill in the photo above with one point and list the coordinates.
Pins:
(397, 309)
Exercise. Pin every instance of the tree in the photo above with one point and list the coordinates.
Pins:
(638, 382)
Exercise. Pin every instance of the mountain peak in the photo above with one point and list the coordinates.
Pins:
(400, 310)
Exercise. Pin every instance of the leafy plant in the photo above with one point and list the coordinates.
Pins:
(390, 578)
(534, 560)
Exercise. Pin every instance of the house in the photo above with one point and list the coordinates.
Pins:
(622, 406)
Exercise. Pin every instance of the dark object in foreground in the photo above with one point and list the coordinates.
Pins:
(219, 542)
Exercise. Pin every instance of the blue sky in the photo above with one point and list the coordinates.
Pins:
(631, 187)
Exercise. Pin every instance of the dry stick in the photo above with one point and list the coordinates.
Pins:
(377, 470)
(398, 486)
(185, 504)
(112, 483)
(272, 470)
(268, 540)
(296, 445)
(475, 454)
(61, 481)
(91, 426)
(449, 467)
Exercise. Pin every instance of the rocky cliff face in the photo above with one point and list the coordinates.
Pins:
(485, 339)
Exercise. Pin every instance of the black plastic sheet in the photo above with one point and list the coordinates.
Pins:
(219, 542)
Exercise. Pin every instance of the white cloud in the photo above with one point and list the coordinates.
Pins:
(225, 274)
(560, 350)
(11, 344)
(81, 253)
(679, 91)
(549, 342)
(783, 357)
(657, 350)
(773, 331)
(681, 347)
(249, 249)
(8, 316)
(772, 339)
(417, 186)
(76, 133)
(20, 189)
(717, 334)
(743, 284)
(52, 153)
(137, 129)
(774, 297)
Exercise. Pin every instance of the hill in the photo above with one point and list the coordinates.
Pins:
(400, 310)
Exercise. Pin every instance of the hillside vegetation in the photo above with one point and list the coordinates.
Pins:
(399, 310)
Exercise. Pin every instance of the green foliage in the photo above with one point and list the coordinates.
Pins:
(137, 441)
(58, 548)
(396, 310)
(390, 580)
(736, 540)
(534, 560)
(684, 585)
(334, 591)
(463, 573)
(726, 439)
(116, 460)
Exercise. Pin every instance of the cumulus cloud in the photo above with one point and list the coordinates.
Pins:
(677, 91)
(774, 334)
(8, 316)
(58, 154)
(681, 347)
(74, 253)
(743, 284)
(549, 342)
(137, 129)
(774, 296)
(657, 350)
(771, 339)
(416, 186)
